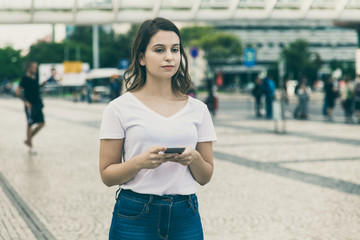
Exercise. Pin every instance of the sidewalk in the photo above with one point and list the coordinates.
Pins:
(301, 185)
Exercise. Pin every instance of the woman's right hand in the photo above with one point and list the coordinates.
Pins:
(154, 157)
(28, 105)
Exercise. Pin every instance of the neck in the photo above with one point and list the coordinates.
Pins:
(31, 75)
(158, 88)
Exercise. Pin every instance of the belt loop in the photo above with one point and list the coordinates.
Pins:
(117, 193)
(190, 201)
(147, 205)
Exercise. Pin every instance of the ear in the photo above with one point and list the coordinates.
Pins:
(141, 59)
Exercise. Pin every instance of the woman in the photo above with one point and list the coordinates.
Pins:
(348, 99)
(257, 92)
(331, 93)
(157, 198)
(302, 92)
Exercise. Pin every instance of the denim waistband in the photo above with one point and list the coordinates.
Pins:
(151, 198)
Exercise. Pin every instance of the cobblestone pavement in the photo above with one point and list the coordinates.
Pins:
(302, 185)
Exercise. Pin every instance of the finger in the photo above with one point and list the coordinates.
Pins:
(157, 149)
(169, 155)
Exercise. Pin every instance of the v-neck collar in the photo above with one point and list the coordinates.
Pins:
(156, 113)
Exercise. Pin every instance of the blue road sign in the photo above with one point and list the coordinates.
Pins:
(194, 52)
(124, 64)
(249, 57)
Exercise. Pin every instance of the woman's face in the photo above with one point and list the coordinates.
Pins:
(162, 55)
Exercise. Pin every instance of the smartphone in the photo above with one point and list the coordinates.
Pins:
(178, 150)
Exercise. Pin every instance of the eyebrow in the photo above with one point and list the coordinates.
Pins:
(162, 45)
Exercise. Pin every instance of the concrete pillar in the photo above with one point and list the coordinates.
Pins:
(357, 58)
(96, 57)
(53, 33)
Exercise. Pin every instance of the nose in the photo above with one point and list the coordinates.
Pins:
(168, 55)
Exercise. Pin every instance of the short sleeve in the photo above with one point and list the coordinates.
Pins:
(111, 126)
(206, 130)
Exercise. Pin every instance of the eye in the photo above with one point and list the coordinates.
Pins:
(175, 50)
(159, 50)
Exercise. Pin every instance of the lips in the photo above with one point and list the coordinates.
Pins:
(168, 66)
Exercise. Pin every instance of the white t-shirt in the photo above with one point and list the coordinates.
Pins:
(127, 117)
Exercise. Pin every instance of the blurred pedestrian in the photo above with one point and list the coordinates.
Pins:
(303, 93)
(89, 90)
(212, 103)
(157, 198)
(269, 90)
(347, 102)
(30, 88)
(331, 94)
(192, 91)
(52, 78)
(357, 99)
(114, 87)
(285, 96)
(257, 92)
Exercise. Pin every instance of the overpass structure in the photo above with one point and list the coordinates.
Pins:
(117, 11)
(344, 13)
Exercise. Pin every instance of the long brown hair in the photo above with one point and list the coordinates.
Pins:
(135, 75)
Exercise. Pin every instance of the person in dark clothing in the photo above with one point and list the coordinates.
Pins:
(212, 103)
(52, 79)
(257, 92)
(357, 99)
(115, 87)
(302, 92)
(30, 87)
(269, 90)
(331, 93)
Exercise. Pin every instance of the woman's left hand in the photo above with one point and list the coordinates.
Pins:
(187, 157)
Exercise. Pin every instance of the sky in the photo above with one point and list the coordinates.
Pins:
(21, 36)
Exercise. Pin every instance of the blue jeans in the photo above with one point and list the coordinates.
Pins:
(151, 217)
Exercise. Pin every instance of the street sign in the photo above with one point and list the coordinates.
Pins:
(249, 57)
(194, 52)
(123, 64)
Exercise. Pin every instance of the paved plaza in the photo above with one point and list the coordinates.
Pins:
(302, 185)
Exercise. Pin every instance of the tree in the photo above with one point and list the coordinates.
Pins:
(191, 35)
(45, 52)
(217, 45)
(347, 67)
(11, 63)
(300, 60)
(221, 45)
(78, 46)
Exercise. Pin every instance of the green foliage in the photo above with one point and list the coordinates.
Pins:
(45, 52)
(347, 68)
(191, 35)
(221, 45)
(300, 60)
(216, 44)
(78, 46)
(10, 63)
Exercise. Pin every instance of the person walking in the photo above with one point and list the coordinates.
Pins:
(114, 86)
(303, 94)
(357, 99)
(331, 93)
(269, 90)
(257, 92)
(347, 102)
(156, 198)
(30, 87)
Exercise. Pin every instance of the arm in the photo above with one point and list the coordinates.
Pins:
(114, 172)
(200, 161)
(18, 93)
